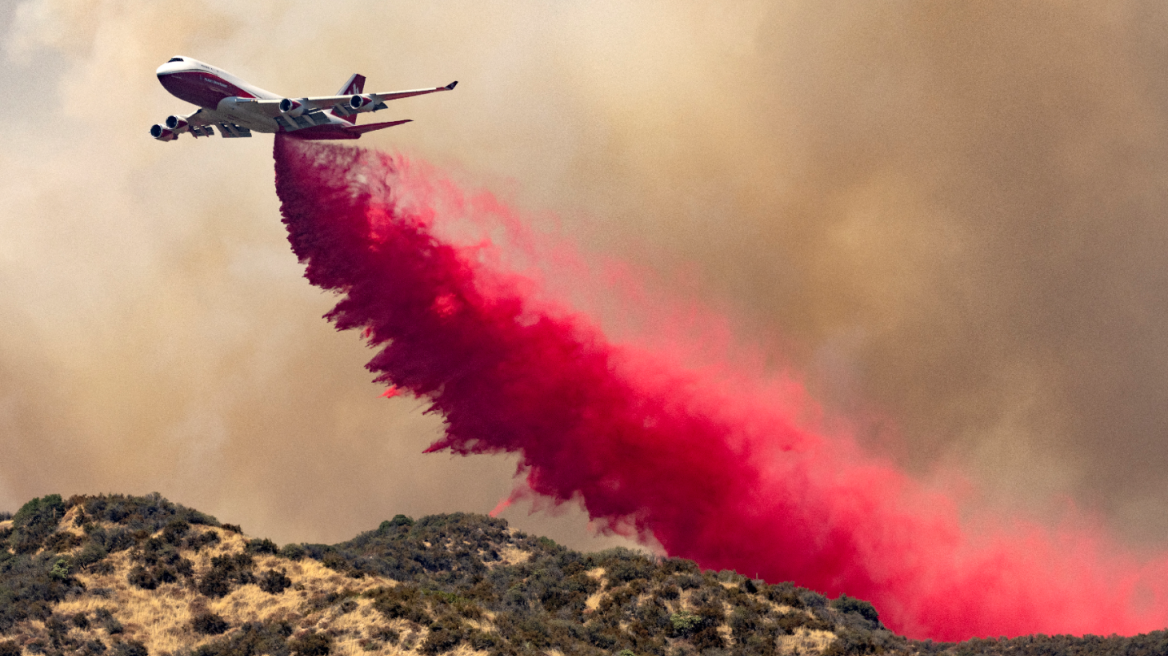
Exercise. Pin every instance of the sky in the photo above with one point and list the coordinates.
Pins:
(948, 219)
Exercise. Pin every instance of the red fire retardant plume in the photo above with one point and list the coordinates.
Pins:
(716, 468)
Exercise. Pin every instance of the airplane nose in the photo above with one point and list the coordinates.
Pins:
(175, 64)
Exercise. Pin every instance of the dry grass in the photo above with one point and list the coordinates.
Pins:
(162, 618)
(513, 556)
(805, 641)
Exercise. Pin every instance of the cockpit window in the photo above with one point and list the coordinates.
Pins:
(174, 59)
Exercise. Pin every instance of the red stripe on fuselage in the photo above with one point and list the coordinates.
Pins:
(201, 88)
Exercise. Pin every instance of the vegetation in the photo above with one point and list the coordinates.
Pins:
(132, 576)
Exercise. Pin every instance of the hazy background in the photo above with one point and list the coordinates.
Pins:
(951, 217)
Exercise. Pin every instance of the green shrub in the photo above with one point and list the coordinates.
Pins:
(684, 623)
(846, 604)
(91, 553)
(60, 569)
(293, 551)
(35, 521)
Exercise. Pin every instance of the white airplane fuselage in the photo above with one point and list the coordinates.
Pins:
(215, 91)
(238, 108)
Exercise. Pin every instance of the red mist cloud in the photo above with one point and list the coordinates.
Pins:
(717, 467)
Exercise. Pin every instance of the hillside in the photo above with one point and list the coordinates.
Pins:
(131, 576)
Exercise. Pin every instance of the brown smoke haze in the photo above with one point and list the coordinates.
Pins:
(951, 218)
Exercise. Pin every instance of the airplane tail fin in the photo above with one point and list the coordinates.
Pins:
(354, 86)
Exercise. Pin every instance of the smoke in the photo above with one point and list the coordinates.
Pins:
(715, 466)
(948, 218)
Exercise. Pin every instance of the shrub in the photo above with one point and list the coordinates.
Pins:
(233, 528)
(484, 641)
(385, 634)
(60, 569)
(292, 551)
(684, 623)
(174, 531)
(215, 583)
(208, 623)
(224, 571)
(812, 599)
(106, 620)
(846, 604)
(785, 594)
(445, 634)
(251, 639)
(313, 644)
(140, 577)
(402, 602)
(62, 541)
(264, 546)
(130, 648)
(626, 565)
(203, 539)
(91, 553)
(35, 521)
(9, 648)
(273, 582)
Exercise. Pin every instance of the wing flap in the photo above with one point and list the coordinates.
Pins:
(340, 104)
(232, 131)
(370, 127)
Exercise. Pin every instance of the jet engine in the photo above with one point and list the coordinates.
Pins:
(162, 134)
(361, 103)
(176, 123)
(289, 107)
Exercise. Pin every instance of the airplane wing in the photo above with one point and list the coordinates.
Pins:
(344, 105)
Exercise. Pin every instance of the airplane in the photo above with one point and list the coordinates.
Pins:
(237, 108)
